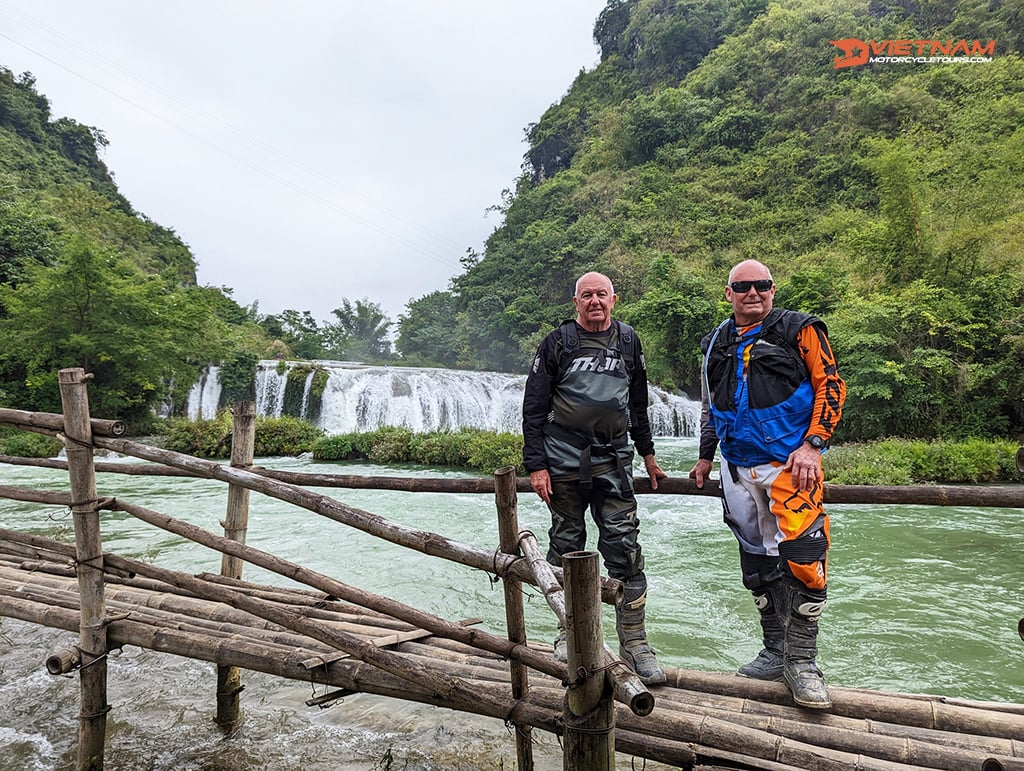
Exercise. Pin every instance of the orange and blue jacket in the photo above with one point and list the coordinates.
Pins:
(767, 387)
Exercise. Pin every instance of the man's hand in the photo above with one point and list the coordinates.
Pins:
(805, 464)
(701, 471)
(654, 471)
(540, 481)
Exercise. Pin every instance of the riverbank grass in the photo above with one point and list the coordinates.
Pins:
(914, 462)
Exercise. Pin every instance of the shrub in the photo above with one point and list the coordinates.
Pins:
(390, 445)
(201, 438)
(445, 448)
(286, 435)
(910, 462)
(337, 447)
(26, 444)
(212, 438)
(489, 452)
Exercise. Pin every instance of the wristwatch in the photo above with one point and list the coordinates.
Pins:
(815, 441)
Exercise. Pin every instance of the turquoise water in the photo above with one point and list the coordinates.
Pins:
(922, 599)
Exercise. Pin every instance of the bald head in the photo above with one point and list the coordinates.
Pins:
(750, 304)
(749, 269)
(590, 278)
(594, 300)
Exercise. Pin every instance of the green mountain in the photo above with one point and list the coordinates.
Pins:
(886, 197)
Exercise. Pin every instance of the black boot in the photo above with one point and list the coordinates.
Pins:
(800, 670)
(629, 623)
(768, 663)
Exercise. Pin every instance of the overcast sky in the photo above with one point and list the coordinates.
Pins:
(309, 151)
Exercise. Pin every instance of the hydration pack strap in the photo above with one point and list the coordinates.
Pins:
(589, 448)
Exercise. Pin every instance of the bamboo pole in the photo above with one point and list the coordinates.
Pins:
(53, 422)
(928, 714)
(998, 496)
(92, 646)
(921, 712)
(508, 529)
(418, 618)
(352, 675)
(819, 731)
(589, 715)
(699, 701)
(236, 523)
(666, 722)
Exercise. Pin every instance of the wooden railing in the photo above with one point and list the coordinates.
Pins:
(696, 719)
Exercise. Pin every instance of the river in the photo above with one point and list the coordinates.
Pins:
(922, 599)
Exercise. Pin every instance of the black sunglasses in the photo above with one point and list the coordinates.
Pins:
(742, 287)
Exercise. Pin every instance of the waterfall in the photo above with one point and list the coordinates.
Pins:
(203, 398)
(364, 398)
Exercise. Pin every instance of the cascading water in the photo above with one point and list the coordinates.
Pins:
(203, 398)
(364, 398)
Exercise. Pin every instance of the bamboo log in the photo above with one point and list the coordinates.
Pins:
(423, 620)
(423, 541)
(294, 595)
(725, 735)
(92, 728)
(171, 619)
(785, 721)
(236, 521)
(349, 674)
(440, 684)
(697, 700)
(998, 496)
(896, 707)
(508, 528)
(853, 703)
(555, 699)
(236, 524)
(821, 722)
(589, 711)
(63, 661)
(897, 749)
(54, 423)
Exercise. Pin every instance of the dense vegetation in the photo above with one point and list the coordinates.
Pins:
(886, 198)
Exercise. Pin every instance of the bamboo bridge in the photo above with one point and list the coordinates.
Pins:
(354, 641)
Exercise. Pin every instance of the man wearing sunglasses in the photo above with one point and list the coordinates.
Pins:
(771, 399)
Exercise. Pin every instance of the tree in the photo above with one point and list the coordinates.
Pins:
(135, 333)
(299, 331)
(671, 318)
(427, 330)
(361, 332)
(926, 361)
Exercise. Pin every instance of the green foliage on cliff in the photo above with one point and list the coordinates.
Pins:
(886, 198)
